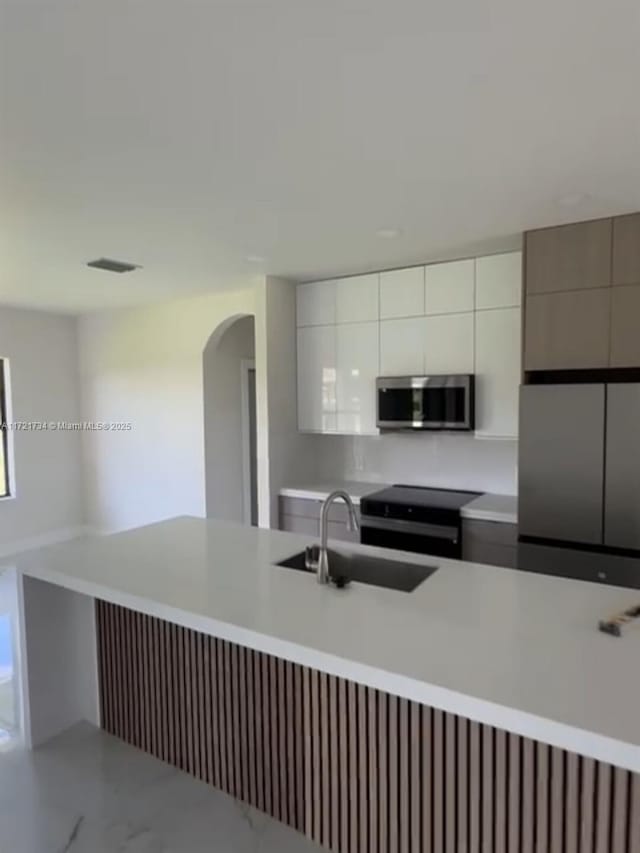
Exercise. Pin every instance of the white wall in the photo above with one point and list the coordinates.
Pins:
(447, 461)
(223, 418)
(284, 454)
(145, 365)
(42, 353)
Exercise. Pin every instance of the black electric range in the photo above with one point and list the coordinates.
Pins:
(415, 518)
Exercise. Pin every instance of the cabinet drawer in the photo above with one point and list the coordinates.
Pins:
(302, 507)
(311, 508)
(298, 524)
(490, 532)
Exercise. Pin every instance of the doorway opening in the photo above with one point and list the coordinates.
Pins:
(230, 422)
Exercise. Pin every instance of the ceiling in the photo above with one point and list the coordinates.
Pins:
(186, 136)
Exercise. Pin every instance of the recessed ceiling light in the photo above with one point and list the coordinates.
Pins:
(111, 265)
(388, 233)
(256, 259)
(573, 199)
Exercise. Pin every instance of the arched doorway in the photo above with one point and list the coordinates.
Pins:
(230, 421)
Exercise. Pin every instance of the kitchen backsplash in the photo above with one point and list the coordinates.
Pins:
(447, 461)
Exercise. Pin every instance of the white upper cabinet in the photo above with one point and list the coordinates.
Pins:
(402, 347)
(449, 288)
(498, 353)
(356, 371)
(402, 293)
(456, 317)
(317, 379)
(499, 281)
(316, 303)
(448, 343)
(357, 299)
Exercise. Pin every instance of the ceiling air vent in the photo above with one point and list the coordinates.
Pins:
(112, 266)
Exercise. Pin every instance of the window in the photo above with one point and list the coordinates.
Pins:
(4, 442)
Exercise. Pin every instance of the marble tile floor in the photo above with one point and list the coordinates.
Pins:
(87, 792)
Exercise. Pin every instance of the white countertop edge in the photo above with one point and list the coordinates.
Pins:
(489, 515)
(319, 494)
(580, 741)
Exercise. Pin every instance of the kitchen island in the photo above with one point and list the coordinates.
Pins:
(482, 711)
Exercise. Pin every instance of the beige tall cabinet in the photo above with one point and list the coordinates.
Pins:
(625, 292)
(582, 295)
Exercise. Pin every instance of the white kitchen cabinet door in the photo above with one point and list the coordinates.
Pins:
(497, 372)
(317, 379)
(357, 369)
(316, 303)
(402, 347)
(449, 288)
(357, 299)
(499, 281)
(402, 293)
(448, 343)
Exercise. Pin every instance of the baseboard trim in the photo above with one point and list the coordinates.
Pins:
(51, 537)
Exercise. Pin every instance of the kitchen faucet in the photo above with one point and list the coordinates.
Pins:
(321, 565)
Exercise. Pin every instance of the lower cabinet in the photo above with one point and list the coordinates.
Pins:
(298, 524)
(302, 515)
(491, 542)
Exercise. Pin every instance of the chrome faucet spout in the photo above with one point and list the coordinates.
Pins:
(323, 560)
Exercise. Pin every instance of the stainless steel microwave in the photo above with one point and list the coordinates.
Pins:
(426, 402)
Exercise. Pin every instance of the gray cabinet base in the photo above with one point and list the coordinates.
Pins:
(582, 565)
(490, 542)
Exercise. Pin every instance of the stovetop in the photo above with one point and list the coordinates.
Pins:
(423, 497)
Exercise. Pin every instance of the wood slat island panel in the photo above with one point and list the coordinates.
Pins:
(353, 768)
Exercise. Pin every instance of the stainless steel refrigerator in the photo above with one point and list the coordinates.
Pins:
(579, 481)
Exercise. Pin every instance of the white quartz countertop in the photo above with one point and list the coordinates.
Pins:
(515, 650)
(319, 491)
(488, 507)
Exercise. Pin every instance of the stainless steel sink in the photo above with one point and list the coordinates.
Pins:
(361, 568)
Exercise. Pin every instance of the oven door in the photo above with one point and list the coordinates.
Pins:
(425, 402)
(440, 540)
